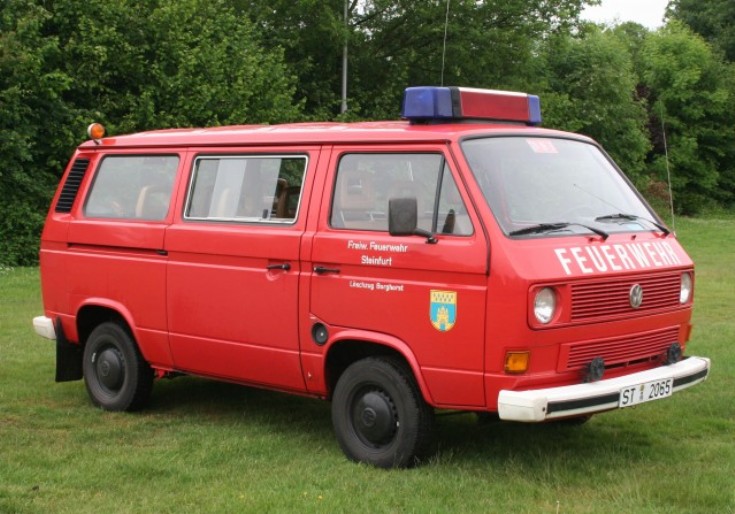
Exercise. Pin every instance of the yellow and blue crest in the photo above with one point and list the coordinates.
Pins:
(443, 309)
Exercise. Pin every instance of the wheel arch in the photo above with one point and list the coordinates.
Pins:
(97, 311)
(351, 346)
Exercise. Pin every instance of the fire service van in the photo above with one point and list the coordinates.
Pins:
(463, 258)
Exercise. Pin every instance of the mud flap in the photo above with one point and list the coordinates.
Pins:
(68, 357)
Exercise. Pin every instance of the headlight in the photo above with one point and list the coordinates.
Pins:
(544, 305)
(686, 288)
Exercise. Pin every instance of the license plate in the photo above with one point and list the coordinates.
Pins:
(646, 392)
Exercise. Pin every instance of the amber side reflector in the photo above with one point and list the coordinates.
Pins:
(516, 362)
(96, 131)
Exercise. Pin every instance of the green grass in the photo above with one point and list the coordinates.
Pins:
(204, 446)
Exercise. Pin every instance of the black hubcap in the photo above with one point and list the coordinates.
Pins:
(374, 417)
(110, 367)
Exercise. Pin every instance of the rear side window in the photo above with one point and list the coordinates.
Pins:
(246, 188)
(366, 182)
(132, 187)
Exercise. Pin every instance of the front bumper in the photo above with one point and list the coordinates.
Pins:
(578, 400)
(44, 327)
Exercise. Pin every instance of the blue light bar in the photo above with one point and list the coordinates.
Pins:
(428, 103)
(534, 110)
(436, 104)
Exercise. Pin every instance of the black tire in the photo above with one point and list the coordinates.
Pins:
(488, 418)
(379, 415)
(115, 373)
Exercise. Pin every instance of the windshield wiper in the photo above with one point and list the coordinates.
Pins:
(632, 217)
(551, 227)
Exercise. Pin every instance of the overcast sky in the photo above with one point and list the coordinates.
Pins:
(648, 13)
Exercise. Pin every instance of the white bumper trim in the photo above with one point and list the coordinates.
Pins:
(560, 402)
(44, 327)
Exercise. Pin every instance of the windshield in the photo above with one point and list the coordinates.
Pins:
(540, 187)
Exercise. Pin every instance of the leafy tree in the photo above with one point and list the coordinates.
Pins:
(690, 89)
(714, 20)
(208, 68)
(593, 91)
(168, 63)
(312, 34)
(31, 110)
(132, 64)
(395, 43)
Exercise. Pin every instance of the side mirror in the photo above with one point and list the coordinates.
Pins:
(403, 219)
(402, 216)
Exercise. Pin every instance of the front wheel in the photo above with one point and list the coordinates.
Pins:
(379, 415)
(115, 373)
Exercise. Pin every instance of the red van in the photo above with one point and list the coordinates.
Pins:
(463, 258)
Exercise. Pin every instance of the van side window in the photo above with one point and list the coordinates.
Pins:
(365, 183)
(246, 188)
(132, 187)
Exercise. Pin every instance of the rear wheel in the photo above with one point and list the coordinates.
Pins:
(379, 415)
(115, 373)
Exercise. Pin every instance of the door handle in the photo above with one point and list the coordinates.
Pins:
(321, 270)
(285, 266)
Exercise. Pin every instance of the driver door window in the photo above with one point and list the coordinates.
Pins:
(366, 182)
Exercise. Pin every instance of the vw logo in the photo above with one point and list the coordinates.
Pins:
(636, 296)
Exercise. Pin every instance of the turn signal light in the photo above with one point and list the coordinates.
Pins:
(516, 362)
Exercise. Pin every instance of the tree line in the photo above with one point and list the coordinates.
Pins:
(658, 101)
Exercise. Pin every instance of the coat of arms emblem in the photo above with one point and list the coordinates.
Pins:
(443, 309)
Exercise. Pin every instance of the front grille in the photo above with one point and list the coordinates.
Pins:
(610, 298)
(622, 350)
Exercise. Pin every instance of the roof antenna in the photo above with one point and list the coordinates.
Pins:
(668, 171)
(444, 49)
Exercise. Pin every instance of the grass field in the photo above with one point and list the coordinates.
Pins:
(211, 447)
